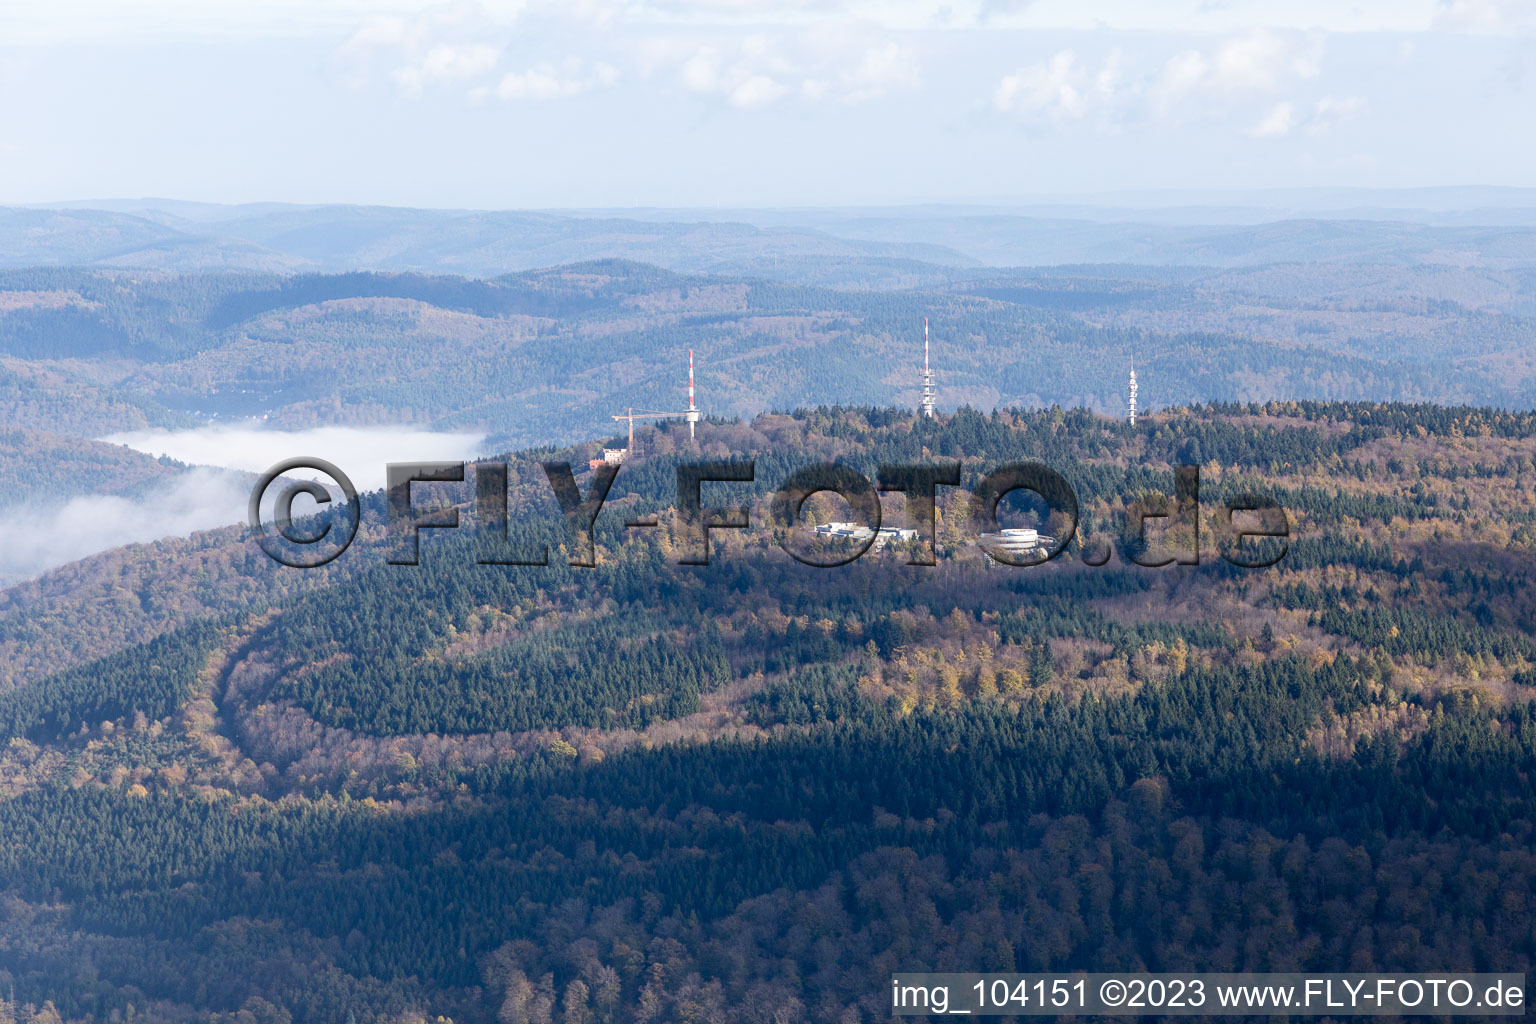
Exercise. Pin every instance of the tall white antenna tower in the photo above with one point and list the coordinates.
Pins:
(927, 404)
(692, 415)
(1133, 394)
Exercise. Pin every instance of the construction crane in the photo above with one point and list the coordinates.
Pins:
(631, 416)
(691, 417)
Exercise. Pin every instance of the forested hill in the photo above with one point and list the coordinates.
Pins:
(547, 356)
(750, 791)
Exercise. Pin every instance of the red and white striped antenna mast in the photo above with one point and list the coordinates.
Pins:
(691, 416)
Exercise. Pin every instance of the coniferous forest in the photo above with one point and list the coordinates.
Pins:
(762, 512)
(752, 790)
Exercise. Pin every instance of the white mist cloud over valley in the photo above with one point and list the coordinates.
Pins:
(360, 452)
(213, 493)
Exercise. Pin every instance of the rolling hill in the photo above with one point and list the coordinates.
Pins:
(652, 791)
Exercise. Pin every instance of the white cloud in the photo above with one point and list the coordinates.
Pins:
(1053, 88)
(443, 45)
(445, 63)
(1060, 87)
(1233, 71)
(1486, 16)
(451, 62)
(360, 452)
(1185, 72)
(41, 539)
(757, 91)
(1330, 110)
(1261, 62)
(1286, 116)
(213, 493)
(882, 68)
(545, 82)
(1279, 121)
(826, 58)
(990, 9)
(749, 77)
(1247, 81)
(77, 20)
(377, 32)
(756, 10)
(840, 62)
(701, 72)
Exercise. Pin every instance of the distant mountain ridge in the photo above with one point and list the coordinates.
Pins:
(473, 243)
(776, 244)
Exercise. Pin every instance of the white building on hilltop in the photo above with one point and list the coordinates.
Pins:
(1020, 544)
(861, 533)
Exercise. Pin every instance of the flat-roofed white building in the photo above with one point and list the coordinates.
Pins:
(1016, 544)
(859, 532)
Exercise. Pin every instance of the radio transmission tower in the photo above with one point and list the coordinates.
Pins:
(925, 408)
(1133, 394)
(692, 415)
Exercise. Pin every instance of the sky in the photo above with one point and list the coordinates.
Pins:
(602, 103)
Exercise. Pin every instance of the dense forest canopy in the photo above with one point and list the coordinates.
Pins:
(546, 356)
(750, 791)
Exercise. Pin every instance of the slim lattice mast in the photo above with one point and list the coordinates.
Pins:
(1133, 394)
(926, 407)
(692, 415)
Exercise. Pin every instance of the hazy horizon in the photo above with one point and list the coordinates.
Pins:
(1318, 198)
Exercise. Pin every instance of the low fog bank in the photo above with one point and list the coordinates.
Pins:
(359, 452)
(43, 538)
(213, 493)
